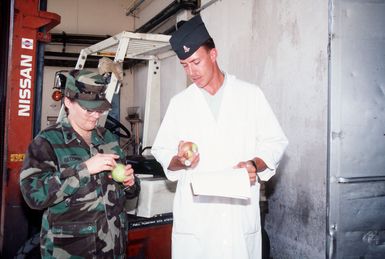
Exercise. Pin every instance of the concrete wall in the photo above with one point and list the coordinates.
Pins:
(148, 9)
(282, 47)
(96, 17)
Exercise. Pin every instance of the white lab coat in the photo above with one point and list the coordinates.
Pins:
(217, 227)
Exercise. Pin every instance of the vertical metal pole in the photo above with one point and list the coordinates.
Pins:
(152, 107)
(330, 230)
(113, 88)
(39, 79)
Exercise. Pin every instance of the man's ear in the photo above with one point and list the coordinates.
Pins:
(213, 54)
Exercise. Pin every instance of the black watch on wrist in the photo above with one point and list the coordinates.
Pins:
(256, 169)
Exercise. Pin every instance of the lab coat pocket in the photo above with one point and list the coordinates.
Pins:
(250, 215)
(187, 213)
(74, 238)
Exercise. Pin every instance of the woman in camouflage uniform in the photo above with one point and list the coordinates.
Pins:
(66, 173)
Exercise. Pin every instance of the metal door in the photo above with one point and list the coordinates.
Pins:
(356, 222)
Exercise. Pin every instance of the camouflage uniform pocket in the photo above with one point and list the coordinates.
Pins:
(74, 239)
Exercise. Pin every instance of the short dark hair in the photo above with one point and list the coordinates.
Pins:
(65, 107)
(209, 44)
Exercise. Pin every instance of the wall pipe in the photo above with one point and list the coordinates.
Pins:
(196, 11)
(135, 6)
(166, 13)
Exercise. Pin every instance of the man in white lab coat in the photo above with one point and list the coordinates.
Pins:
(233, 126)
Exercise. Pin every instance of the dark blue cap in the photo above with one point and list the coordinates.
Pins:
(189, 37)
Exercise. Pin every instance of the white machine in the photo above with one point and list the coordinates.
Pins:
(156, 194)
(155, 198)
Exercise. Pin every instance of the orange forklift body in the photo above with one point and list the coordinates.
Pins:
(30, 25)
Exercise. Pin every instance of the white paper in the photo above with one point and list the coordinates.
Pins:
(232, 183)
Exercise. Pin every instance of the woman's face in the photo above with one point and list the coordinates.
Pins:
(81, 119)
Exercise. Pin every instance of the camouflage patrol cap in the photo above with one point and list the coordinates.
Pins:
(87, 88)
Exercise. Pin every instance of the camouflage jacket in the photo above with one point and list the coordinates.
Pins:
(83, 214)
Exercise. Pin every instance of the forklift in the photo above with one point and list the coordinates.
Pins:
(24, 29)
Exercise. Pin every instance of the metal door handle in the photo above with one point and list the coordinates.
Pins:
(364, 179)
(332, 241)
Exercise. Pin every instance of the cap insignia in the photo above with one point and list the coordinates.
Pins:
(186, 49)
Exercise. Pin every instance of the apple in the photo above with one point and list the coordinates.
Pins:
(194, 147)
(189, 149)
(119, 173)
(189, 154)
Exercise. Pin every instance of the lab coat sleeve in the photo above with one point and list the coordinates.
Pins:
(166, 142)
(271, 142)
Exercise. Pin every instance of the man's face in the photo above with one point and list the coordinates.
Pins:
(200, 66)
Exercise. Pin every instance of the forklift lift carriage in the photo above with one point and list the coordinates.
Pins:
(139, 46)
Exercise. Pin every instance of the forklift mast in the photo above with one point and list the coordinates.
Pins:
(28, 26)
